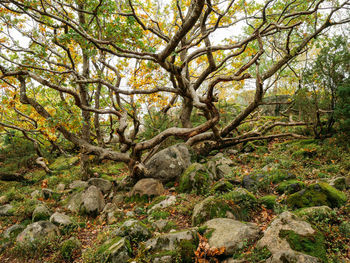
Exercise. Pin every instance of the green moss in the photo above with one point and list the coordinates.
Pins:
(221, 187)
(64, 163)
(317, 195)
(290, 186)
(268, 201)
(344, 229)
(312, 245)
(195, 179)
(243, 201)
(211, 207)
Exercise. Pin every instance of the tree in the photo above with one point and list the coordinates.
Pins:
(327, 80)
(83, 69)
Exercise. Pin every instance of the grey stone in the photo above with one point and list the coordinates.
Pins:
(169, 201)
(320, 212)
(117, 250)
(6, 210)
(130, 214)
(41, 212)
(74, 202)
(279, 247)
(60, 187)
(133, 229)
(148, 187)
(13, 231)
(38, 230)
(92, 201)
(168, 164)
(231, 234)
(104, 185)
(168, 242)
(60, 219)
(78, 184)
(160, 224)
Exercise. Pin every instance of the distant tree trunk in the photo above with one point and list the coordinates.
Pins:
(84, 95)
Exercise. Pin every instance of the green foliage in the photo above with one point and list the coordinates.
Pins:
(290, 186)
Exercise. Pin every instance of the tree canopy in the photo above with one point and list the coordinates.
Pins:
(85, 71)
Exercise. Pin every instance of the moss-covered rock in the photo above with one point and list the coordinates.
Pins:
(237, 204)
(41, 212)
(243, 201)
(268, 201)
(317, 195)
(222, 186)
(209, 208)
(195, 179)
(312, 245)
(115, 250)
(314, 213)
(134, 230)
(290, 187)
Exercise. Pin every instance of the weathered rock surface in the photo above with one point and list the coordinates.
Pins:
(279, 246)
(169, 201)
(116, 250)
(74, 202)
(148, 186)
(13, 231)
(92, 201)
(78, 184)
(168, 164)
(318, 194)
(219, 166)
(60, 187)
(231, 234)
(40, 213)
(104, 185)
(6, 210)
(196, 179)
(60, 219)
(133, 229)
(169, 242)
(38, 230)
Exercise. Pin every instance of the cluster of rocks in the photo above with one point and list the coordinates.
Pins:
(224, 214)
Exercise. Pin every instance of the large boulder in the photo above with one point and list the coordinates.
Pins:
(318, 194)
(92, 201)
(196, 179)
(231, 234)
(148, 187)
(168, 164)
(41, 230)
(104, 185)
(291, 239)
